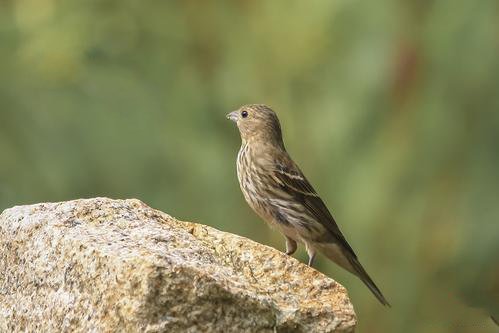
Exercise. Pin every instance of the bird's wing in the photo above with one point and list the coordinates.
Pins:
(294, 182)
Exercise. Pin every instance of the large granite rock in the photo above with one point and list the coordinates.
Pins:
(102, 265)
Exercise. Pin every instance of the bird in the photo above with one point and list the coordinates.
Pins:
(278, 192)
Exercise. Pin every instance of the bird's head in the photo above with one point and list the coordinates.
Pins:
(257, 122)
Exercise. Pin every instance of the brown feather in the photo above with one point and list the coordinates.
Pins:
(276, 189)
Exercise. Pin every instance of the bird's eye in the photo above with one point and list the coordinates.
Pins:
(244, 114)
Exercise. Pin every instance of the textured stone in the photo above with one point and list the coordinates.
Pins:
(102, 265)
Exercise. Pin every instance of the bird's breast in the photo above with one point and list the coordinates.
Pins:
(258, 186)
(251, 178)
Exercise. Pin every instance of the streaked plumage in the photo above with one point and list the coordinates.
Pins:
(276, 189)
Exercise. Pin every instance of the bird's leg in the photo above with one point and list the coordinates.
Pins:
(311, 258)
(290, 246)
(311, 254)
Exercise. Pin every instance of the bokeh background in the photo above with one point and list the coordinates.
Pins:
(390, 107)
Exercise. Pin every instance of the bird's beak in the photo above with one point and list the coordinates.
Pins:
(234, 116)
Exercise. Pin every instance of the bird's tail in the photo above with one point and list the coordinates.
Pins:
(362, 274)
(349, 261)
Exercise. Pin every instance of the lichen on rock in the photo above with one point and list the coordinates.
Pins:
(102, 265)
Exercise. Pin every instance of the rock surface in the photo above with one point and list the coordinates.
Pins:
(102, 265)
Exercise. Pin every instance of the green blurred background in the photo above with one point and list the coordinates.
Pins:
(390, 107)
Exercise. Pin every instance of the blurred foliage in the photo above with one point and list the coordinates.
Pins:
(391, 108)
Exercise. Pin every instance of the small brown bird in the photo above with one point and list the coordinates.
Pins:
(276, 189)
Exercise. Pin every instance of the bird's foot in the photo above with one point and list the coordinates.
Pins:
(311, 260)
(311, 254)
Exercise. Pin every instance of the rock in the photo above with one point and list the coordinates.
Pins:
(102, 265)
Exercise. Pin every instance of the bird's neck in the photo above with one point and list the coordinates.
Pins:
(261, 143)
